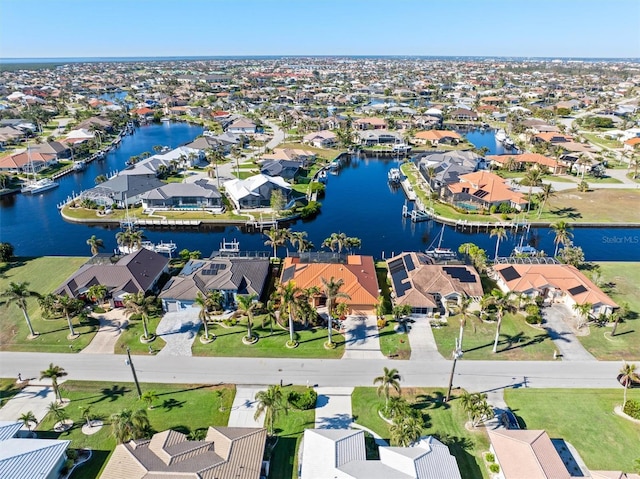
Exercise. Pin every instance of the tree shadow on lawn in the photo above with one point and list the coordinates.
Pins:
(185, 390)
(113, 393)
(171, 404)
(459, 447)
(13, 264)
(521, 340)
(433, 400)
(566, 212)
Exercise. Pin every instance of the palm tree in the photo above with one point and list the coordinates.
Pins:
(95, 244)
(503, 303)
(533, 176)
(463, 311)
(58, 411)
(127, 424)
(619, 315)
(288, 294)
(271, 404)
(18, 293)
(69, 307)
(298, 238)
(205, 305)
(54, 373)
(628, 375)
(97, 293)
(247, 304)
(406, 431)
(276, 237)
(138, 304)
(331, 290)
(563, 234)
(149, 397)
(389, 379)
(582, 310)
(87, 414)
(28, 418)
(500, 234)
(546, 193)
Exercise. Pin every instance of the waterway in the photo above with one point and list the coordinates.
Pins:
(358, 202)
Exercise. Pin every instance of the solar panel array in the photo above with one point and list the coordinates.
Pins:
(398, 277)
(509, 274)
(287, 274)
(460, 273)
(481, 193)
(577, 290)
(408, 261)
(213, 269)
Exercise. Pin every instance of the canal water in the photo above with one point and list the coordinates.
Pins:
(359, 202)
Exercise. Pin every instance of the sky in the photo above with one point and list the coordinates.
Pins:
(160, 28)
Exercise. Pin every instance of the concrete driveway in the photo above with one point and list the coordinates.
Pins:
(31, 398)
(333, 408)
(557, 319)
(423, 345)
(112, 323)
(244, 407)
(361, 338)
(178, 329)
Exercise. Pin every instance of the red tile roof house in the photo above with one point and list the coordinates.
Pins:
(529, 158)
(559, 283)
(485, 190)
(24, 162)
(144, 112)
(436, 137)
(371, 123)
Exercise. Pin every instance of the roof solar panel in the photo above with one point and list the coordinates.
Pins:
(481, 193)
(396, 265)
(460, 273)
(287, 274)
(577, 290)
(408, 261)
(509, 274)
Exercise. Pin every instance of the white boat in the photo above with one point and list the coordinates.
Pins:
(501, 135)
(401, 148)
(39, 186)
(79, 165)
(394, 175)
(508, 143)
(524, 251)
(440, 253)
(322, 176)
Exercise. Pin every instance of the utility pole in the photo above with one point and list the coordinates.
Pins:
(457, 353)
(135, 377)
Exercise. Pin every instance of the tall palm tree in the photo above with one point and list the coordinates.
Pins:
(276, 237)
(247, 305)
(583, 310)
(87, 414)
(500, 234)
(205, 305)
(149, 397)
(503, 303)
(18, 293)
(298, 238)
(69, 307)
(628, 375)
(54, 372)
(462, 310)
(95, 244)
(389, 379)
(138, 304)
(533, 176)
(546, 193)
(405, 431)
(127, 424)
(28, 418)
(270, 403)
(331, 289)
(288, 295)
(97, 292)
(562, 234)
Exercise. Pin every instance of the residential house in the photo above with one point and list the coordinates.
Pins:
(429, 287)
(534, 159)
(96, 122)
(306, 158)
(286, 169)
(357, 272)
(229, 276)
(436, 137)
(225, 453)
(379, 137)
(123, 190)
(482, 189)
(557, 283)
(10, 134)
(321, 139)
(341, 453)
(242, 126)
(136, 272)
(448, 167)
(632, 144)
(27, 458)
(75, 137)
(199, 195)
(27, 162)
(143, 113)
(462, 114)
(255, 191)
(226, 141)
(370, 123)
(551, 137)
(60, 150)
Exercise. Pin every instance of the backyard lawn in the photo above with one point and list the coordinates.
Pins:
(518, 340)
(584, 418)
(44, 275)
(442, 420)
(623, 280)
(324, 153)
(229, 343)
(185, 408)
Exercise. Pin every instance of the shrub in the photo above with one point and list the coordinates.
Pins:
(72, 454)
(493, 209)
(99, 310)
(533, 319)
(494, 468)
(490, 457)
(632, 408)
(304, 401)
(532, 309)
(382, 323)
(230, 322)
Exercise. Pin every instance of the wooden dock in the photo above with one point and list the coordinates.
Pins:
(165, 222)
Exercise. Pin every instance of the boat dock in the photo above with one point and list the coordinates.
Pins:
(416, 215)
(408, 190)
(165, 222)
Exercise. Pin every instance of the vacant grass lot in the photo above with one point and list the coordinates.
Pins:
(623, 281)
(443, 420)
(44, 275)
(229, 343)
(605, 205)
(324, 153)
(183, 407)
(117, 215)
(585, 418)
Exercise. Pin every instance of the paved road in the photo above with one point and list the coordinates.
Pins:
(473, 375)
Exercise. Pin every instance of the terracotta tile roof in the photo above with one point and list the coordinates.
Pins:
(633, 141)
(526, 158)
(553, 137)
(372, 121)
(487, 186)
(433, 135)
(527, 454)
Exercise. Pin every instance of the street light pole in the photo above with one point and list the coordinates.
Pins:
(457, 353)
(133, 371)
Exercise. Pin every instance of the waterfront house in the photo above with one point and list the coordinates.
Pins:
(229, 276)
(255, 191)
(436, 137)
(10, 134)
(321, 139)
(27, 162)
(143, 113)
(306, 158)
(225, 453)
(429, 287)
(447, 167)
(123, 190)
(370, 123)
(379, 137)
(27, 458)
(242, 126)
(60, 150)
(137, 272)
(75, 137)
(341, 453)
(463, 114)
(556, 283)
(286, 169)
(482, 190)
(518, 162)
(199, 195)
(357, 272)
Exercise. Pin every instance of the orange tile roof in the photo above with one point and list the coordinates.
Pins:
(633, 141)
(550, 136)
(433, 135)
(494, 185)
(526, 158)
(22, 159)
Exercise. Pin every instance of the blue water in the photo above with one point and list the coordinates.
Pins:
(114, 97)
(359, 202)
(486, 138)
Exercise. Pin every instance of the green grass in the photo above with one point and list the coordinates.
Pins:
(518, 340)
(394, 344)
(228, 343)
(44, 275)
(585, 418)
(623, 279)
(443, 420)
(8, 389)
(603, 205)
(117, 215)
(289, 428)
(324, 153)
(606, 180)
(183, 407)
(130, 337)
(598, 140)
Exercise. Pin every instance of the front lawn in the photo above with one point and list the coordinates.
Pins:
(584, 418)
(229, 343)
(53, 332)
(393, 344)
(518, 340)
(130, 338)
(443, 420)
(8, 389)
(183, 407)
(603, 205)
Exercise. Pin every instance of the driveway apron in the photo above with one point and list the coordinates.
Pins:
(556, 317)
(178, 329)
(361, 338)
